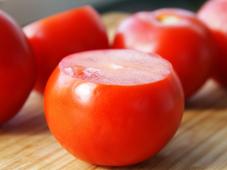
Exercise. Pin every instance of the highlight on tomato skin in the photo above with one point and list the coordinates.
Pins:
(213, 14)
(113, 107)
(17, 68)
(54, 37)
(176, 35)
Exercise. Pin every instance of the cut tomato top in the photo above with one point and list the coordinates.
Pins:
(119, 67)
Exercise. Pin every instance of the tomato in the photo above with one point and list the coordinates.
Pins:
(17, 73)
(213, 13)
(113, 107)
(54, 37)
(176, 35)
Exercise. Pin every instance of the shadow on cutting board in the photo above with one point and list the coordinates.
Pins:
(30, 120)
(211, 96)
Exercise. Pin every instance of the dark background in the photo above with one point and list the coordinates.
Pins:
(26, 11)
(137, 5)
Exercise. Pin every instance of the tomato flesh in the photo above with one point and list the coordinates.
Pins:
(113, 107)
(118, 68)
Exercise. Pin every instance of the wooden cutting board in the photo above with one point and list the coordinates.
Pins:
(200, 143)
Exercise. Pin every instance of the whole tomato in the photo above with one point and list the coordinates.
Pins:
(56, 36)
(113, 107)
(176, 35)
(213, 13)
(17, 74)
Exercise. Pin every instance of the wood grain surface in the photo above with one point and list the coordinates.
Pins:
(200, 143)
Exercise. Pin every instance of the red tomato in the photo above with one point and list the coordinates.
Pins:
(213, 13)
(178, 36)
(16, 68)
(54, 37)
(113, 107)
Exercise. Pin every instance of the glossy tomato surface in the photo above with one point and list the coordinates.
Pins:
(113, 107)
(17, 74)
(213, 13)
(54, 37)
(176, 35)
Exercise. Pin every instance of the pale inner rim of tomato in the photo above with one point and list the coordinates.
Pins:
(168, 19)
(117, 67)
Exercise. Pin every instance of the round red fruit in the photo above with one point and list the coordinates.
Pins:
(214, 15)
(17, 68)
(113, 107)
(56, 36)
(176, 35)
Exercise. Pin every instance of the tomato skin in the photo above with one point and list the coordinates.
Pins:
(119, 124)
(187, 43)
(213, 13)
(17, 68)
(57, 36)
